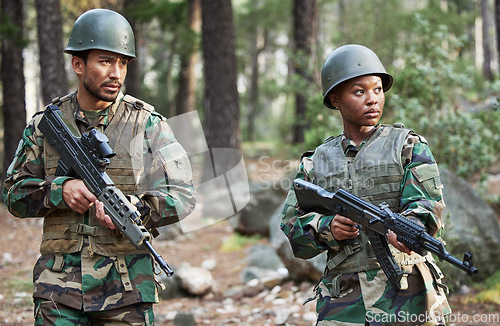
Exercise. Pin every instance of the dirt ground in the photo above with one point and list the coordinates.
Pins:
(230, 303)
(20, 238)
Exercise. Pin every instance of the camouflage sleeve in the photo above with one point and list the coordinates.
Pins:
(166, 186)
(309, 234)
(422, 198)
(26, 190)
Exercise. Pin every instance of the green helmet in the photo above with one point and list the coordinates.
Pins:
(102, 29)
(350, 61)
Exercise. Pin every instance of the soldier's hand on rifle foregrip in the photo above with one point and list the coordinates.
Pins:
(343, 228)
(393, 240)
(103, 218)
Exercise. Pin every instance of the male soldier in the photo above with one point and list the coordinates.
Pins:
(88, 272)
(379, 163)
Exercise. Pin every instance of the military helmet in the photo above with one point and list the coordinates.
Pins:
(350, 61)
(102, 29)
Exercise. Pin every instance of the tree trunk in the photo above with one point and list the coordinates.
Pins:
(487, 73)
(12, 75)
(497, 26)
(186, 95)
(54, 81)
(258, 45)
(221, 94)
(304, 15)
(133, 81)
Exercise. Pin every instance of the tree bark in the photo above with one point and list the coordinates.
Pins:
(497, 29)
(304, 15)
(221, 94)
(133, 81)
(186, 95)
(254, 92)
(54, 81)
(12, 75)
(487, 72)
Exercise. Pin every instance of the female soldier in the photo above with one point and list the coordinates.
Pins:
(379, 163)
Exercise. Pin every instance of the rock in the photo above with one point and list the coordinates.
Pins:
(299, 269)
(183, 318)
(195, 280)
(209, 264)
(273, 279)
(264, 257)
(251, 219)
(169, 232)
(470, 225)
(172, 289)
(7, 258)
(309, 316)
(265, 266)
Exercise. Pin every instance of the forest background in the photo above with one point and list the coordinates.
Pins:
(251, 69)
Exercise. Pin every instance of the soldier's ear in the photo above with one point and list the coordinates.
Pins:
(333, 99)
(78, 64)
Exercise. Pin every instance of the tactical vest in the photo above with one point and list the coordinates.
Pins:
(63, 229)
(375, 175)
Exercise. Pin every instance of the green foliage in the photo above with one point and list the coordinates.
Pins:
(323, 122)
(19, 285)
(261, 36)
(429, 91)
(12, 32)
(237, 242)
(376, 24)
(490, 290)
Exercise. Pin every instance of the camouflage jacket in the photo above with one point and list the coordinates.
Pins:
(84, 280)
(310, 234)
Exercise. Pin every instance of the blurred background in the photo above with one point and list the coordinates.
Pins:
(251, 70)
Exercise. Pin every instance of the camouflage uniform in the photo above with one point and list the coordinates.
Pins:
(87, 271)
(354, 290)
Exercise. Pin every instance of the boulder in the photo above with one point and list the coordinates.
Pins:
(298, 269)
(184, 318)
(264, 265)
(254, 217)
(470, 225)
(195, 280)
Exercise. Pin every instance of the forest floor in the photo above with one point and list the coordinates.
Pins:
(230, 303)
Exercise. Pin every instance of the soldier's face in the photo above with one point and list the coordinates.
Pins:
(103, 74)
(360, 101)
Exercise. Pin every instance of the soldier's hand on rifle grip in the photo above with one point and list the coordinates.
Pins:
(393, 240)
(343, 228)
(77, 196)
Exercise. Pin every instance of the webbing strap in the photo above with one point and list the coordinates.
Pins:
(349, 250)
(121, 267)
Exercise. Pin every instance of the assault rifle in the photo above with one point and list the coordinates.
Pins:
(375, 221)
(86, 157)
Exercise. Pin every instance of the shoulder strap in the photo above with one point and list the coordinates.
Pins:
(59, 100)
(138, 104)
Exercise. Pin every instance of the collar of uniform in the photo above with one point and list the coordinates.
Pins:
(349, 146)
(110, 112)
